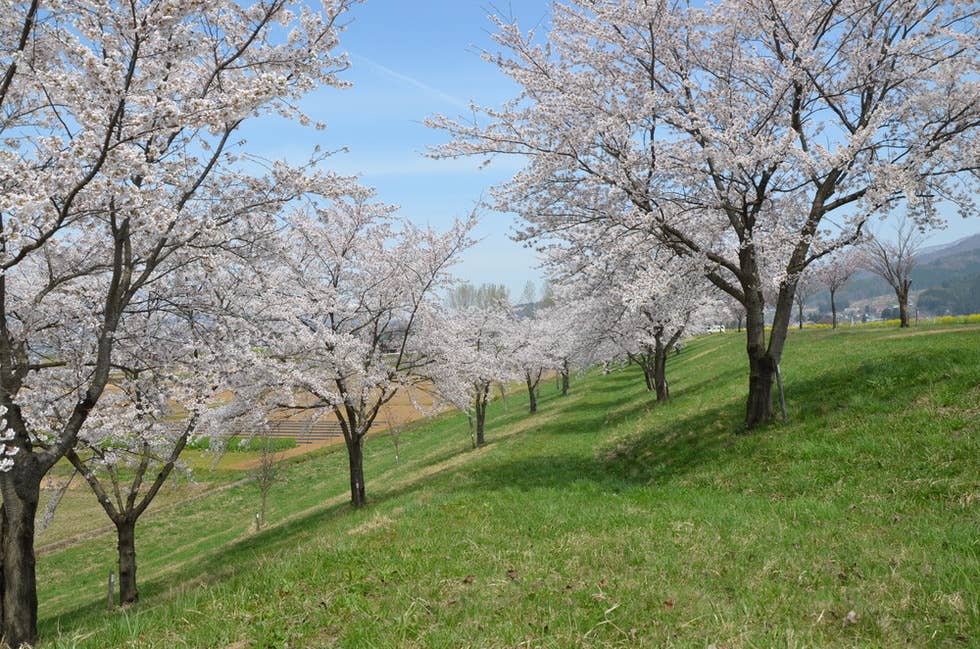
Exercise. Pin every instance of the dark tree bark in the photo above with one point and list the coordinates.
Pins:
(662, 346)
(903, 303)
(660, 370)
(762, 363)
(564, 377)
(764, 358)
(833, 308)
(126, 546)
(532, 398)
(21, 488)
(647, 362)
(480, 406)
(647, 372)
(355, 457)
(532, 378)
(355, 422)
(762, 372)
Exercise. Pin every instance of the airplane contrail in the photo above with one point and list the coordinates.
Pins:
(434, 92)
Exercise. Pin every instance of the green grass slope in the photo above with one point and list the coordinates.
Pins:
(602, 521)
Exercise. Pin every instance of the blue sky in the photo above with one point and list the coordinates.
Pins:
(412, 59)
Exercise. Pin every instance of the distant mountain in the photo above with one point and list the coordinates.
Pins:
(946, 279)
(964, 245)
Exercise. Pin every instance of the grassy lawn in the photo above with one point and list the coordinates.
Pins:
(602, 521)
(79, 514)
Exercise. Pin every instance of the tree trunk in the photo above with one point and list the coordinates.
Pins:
(903, 305)
(833, 309)
(531, 396)
(647, 373)
(564, 377)
(480, 418)
(762, 372)
(758, 407)
(126, 545)
(800, 305)
(481, 414)
(355, 458)
(264, 498)
(21, 487)
(660, 371)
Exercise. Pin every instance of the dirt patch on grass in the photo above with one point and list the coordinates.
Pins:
(376, 523)
(53, 483)
(301, 449)
(700, 354)
(399, 412)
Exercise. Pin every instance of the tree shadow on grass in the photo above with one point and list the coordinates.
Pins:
(883, 384)
(223, 561)
(660, 448)
(616, 380)
(624, 381)
(238, 554)
(663, 447)
(721, 378)
(652, 454)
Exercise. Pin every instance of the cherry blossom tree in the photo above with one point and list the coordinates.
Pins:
(893, 261)
(472, 353)
(732, 310)
(834, 272)
(337, 318)
(179, 372)
(620, 330)
(640, 297)
(806, 285)
(118, 165)
(671, 299)
(567, 335)
(169, 377)
(664, 300)
(568, 320)
(734, 131)
(534, 351)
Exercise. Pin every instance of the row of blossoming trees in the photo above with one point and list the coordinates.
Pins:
(159, 283)
(124, 191)
(744, 139)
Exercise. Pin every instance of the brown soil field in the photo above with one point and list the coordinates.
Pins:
(397, 412)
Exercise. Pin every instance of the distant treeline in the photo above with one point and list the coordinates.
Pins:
(957, 296)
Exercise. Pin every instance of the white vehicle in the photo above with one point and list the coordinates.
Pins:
(716, 329)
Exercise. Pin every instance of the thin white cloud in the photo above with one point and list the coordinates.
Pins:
(412, 81)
